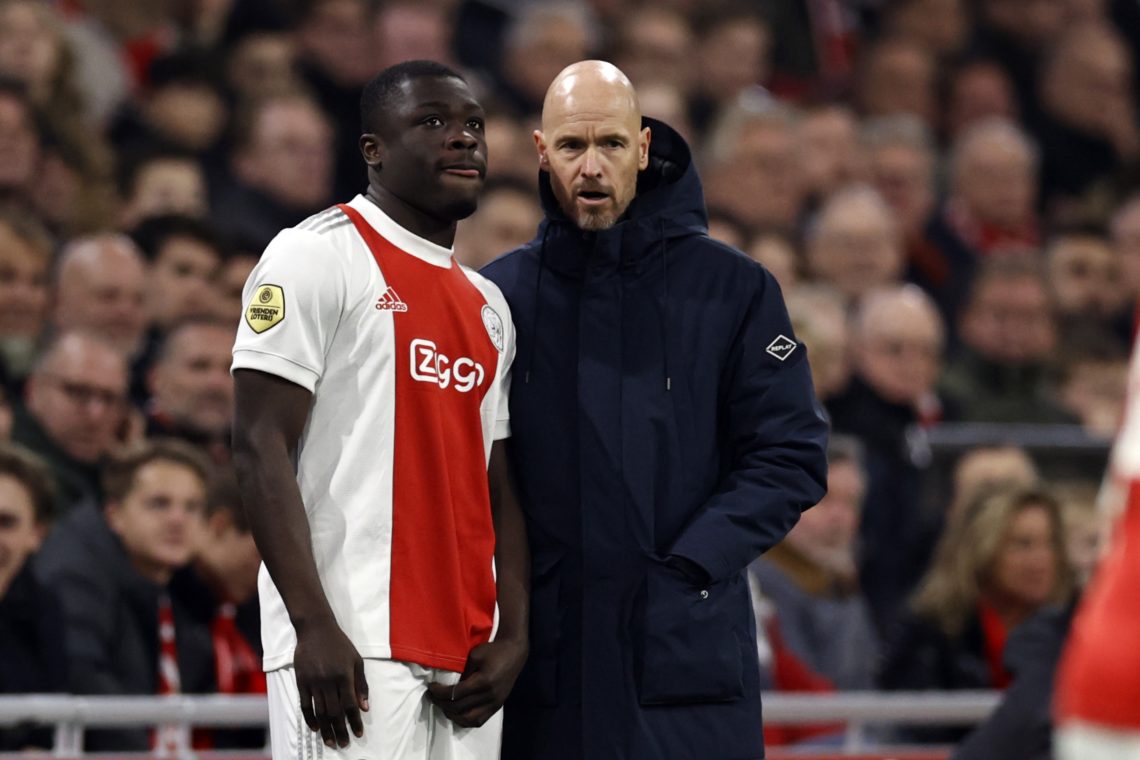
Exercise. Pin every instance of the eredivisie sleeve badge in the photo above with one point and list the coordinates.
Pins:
(266, 309)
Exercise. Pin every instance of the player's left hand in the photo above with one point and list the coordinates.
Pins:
(491, 672)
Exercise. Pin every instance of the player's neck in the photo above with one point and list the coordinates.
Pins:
(430, 228)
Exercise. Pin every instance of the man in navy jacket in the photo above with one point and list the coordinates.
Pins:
(665, 433)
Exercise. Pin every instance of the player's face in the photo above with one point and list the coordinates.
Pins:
(435, 150)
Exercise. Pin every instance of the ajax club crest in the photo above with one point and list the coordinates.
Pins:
(494, 324)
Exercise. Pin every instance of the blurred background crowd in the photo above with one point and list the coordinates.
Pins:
(948, 192)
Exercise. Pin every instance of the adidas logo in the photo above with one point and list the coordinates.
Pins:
(390, 302)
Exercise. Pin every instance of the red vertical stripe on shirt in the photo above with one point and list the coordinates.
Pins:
(442, 596)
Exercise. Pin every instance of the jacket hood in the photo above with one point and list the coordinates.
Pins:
(669, 195)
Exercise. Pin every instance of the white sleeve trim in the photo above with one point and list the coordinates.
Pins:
(246, 358)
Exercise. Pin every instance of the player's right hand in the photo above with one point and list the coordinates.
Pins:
(330, 681)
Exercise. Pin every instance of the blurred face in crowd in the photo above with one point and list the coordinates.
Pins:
(1024, 571)
(290, 153)
(30, 46)
(1010, 321)
(506, 218)
(543, 48)
(1095, 392)
(657, 49)
(263, 64)
(830, 149)
(101, 286)
(159, 520)
(229, 285)
(181, 281)
(166, 186)
(856, 245)
(995, 177)
(510, 149)
(899, 350)
(941, 26)
(985, 468)
(904, 176)
(1032, 23)
(776, 254)
(412, 30)
(1084, 274)
(899, 78)
(1088, 81)
(19, 144)
(978, 92)
(822, 326)
(592, 143)
(20, 534)
(78, 394)
(667, 104)
(833, 524)
(191, 383)
(192, 115)
(337, 36)
(733, 56)
(761, 181)
(23, 286)
(230, 554)
(1126, 241)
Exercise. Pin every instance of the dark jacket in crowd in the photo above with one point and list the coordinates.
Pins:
(31, 646)
(660, 409)
(76, 483)
(897, 532)
(111, 622)
(1021, 727)
(985, 391)
(923, 657)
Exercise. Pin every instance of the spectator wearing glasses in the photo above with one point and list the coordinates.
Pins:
(74, 409)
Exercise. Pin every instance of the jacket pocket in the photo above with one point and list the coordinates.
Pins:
(690, 651)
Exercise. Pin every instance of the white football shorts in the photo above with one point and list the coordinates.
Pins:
(401, 722)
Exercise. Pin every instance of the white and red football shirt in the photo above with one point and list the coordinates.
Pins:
(408, 357)
(1098, 681)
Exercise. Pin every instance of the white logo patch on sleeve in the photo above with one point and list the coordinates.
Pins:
(494, 324)
(782, 347)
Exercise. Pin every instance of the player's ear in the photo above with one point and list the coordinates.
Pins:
(643, 148)
(540, 145)
(373, 150)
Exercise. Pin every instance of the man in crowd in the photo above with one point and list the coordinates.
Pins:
(100, 285)
(124, 632)
(31, 618)
(890, 402)
(192, 392)
(686, 442)
(371, 376)
(73, 413)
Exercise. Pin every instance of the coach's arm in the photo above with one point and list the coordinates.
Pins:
(269, 417)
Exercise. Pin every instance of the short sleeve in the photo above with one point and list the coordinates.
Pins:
(291, 305)
(503, 379)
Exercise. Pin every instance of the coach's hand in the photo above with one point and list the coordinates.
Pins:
(483, 688)
(330, 681)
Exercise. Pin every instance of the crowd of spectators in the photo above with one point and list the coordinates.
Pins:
(948, 192)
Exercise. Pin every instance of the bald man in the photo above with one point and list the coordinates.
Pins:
(664, 435)
(100, 285)
(899, 339)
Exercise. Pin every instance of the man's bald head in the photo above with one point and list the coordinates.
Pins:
(100, 285)
(592, 142)
(590, 87)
